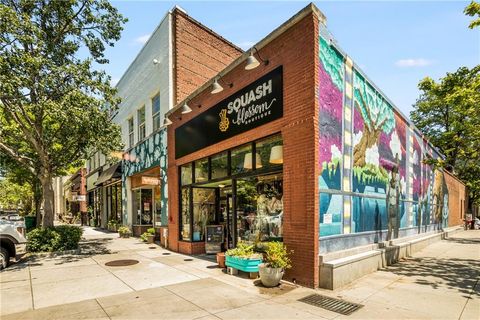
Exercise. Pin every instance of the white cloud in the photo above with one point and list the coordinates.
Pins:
(143, 39)
(418, 62)
(357, 137)
(246, 44)
(395, 145)
(336, 154)
(371, 156)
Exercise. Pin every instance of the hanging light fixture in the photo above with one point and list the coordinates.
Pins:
(216, 87)
(185, 108)
(252, 62)
(166, 122)
(276, 155)
(247, 161)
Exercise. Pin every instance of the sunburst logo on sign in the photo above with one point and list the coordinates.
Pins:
(224, 122)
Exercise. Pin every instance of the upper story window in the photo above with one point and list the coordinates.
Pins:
(130, 133)
(141, 123)
(156, 112)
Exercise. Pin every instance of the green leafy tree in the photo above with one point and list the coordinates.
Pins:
(448, 112)
(377, 117)
(14, 195)
(55, 108)
(473, 10)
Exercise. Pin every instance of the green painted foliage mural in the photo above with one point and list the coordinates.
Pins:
(333, 63)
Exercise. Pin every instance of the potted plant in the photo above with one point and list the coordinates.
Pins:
(112, 225)
(276, 262)
(124, 232)
(148, 236)
(243, 258)
(221, 259)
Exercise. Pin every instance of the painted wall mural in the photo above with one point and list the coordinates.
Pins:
(330, 141)
(383, 155)
(150, 153)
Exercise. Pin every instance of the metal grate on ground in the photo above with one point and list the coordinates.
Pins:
(331, 304)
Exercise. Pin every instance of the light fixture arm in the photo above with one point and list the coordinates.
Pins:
(265, 61)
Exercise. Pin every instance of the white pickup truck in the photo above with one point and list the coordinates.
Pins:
(9, 239)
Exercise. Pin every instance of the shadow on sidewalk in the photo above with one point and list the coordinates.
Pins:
(459, 274)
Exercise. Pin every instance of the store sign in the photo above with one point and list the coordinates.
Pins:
(258, 103)
(81, 198)
(150, 181)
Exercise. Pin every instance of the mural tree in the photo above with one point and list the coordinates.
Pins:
(377, 117)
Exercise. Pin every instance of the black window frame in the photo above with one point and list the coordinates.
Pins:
(253, 172)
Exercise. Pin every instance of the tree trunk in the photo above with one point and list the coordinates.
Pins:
(37, 199)
(48, 199)
(369, 138)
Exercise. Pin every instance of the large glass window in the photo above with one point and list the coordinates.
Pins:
(260, 208)
(241, 159)
(203, 211)
(156, 112)
(270, 152)
(219, 165)
(185, 214)
(201, 170)
(141, 123)
(186, 174)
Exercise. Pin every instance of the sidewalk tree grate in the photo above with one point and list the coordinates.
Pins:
(121, 263)
(331, 304)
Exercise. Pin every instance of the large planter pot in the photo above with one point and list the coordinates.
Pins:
(150, 238)
(270, 277)
(221, 259)
(243, 264)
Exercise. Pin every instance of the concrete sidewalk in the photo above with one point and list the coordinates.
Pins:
(440, 282)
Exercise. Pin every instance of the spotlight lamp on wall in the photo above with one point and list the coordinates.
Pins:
(185, 108)
(166, 121)
(156, 61)
(252, 62)
(217, 87)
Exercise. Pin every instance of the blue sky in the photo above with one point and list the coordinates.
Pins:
(395, 43)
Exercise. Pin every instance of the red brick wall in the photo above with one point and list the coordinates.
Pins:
(199, 54)
(456, 199)
(297, 50)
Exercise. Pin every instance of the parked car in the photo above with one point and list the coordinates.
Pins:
(476, 225)
(9, 239)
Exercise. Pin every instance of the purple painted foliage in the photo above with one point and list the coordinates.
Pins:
(331, 104)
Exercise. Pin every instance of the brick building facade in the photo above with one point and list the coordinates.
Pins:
(333, 188)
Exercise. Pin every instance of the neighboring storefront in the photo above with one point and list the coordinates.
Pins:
(108, 212)
(299, 146)
(144, 184)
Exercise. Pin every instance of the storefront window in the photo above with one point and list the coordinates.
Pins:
(185, 215)
(203, 211)
(270, 151)
(219, 165)
(186, 174)
(241, 159)
(143, 206)
(260, 208)
(201, 170)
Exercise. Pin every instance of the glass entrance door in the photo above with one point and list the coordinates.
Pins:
(226, 216)
(144, 206)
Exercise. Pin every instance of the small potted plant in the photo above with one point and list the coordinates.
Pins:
(112, 225)
(124, 232)
(276, 262)
(148, 236)
(243, 258)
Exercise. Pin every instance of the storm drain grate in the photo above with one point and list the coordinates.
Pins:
(166, 253)
(121, 263)
(332, 304)
(188, 259)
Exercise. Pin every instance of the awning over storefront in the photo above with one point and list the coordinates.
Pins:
(114, 172)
